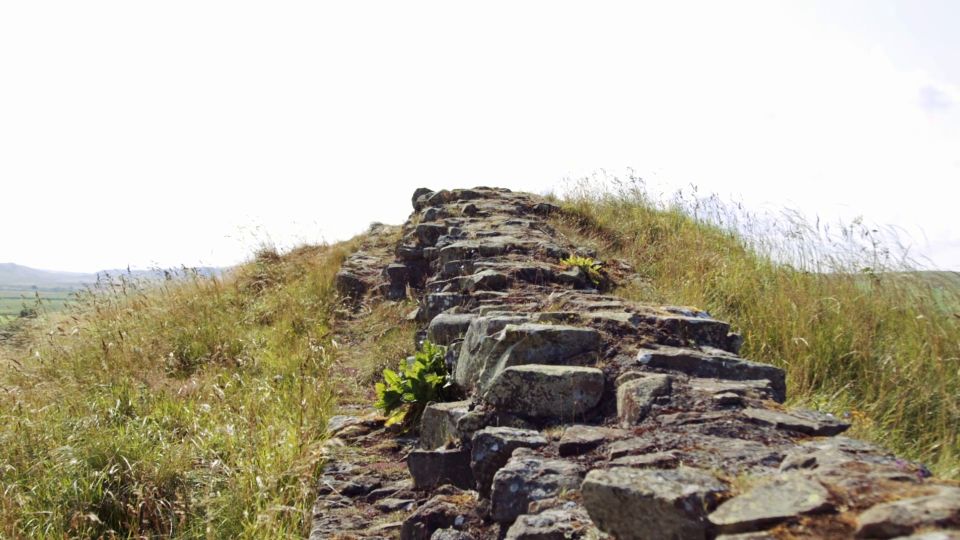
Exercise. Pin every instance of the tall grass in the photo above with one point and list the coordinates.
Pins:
(858, 332)
(192, 408)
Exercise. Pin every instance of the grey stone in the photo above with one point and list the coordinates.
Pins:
(906, 516)
(493, 446)
(580, 439)
(494, 344)
(438, 425)
(554, 524)
(636, 396)
(800, 421)
(758, 389)
(654, 460)
(771, 503)
(630, 447)
(418, 194)
(714, 364)
(649, 504)
(485, 280)
(440, 512)
(541, 391)
(391, 504)
(451, 534)
(431, 468)
(446, 328)
(398, 275)
(527, 478)
(436, 303)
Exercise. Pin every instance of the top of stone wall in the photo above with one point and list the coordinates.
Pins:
(587, 415)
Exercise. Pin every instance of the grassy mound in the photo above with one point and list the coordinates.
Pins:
(858, 335)
(189, 409)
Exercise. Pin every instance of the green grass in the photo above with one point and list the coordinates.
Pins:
(193, 408)
(858, 332)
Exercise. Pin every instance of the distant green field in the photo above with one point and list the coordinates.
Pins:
(13, 300)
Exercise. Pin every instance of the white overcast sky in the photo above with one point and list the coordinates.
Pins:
(185, 132)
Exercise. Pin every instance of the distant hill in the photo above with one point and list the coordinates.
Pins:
(15, 276)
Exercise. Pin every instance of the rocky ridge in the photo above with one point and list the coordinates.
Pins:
(588, 416)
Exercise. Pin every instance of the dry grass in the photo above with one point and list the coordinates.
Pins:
(857, 331)
(193, 409)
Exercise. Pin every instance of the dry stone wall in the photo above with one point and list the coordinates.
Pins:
(589, 416)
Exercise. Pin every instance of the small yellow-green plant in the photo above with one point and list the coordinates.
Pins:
(404, 393)
(592, 268)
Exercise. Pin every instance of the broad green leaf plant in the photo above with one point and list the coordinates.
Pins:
(404, 393)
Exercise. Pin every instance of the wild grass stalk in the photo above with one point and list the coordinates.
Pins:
(192, 408)
(859, 331)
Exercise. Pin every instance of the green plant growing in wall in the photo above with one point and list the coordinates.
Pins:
(591, 267)
(404, 393)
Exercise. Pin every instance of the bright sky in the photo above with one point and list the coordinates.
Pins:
(161, 133)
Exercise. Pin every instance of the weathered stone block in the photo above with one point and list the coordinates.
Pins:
(716, 364)
(438, 425)
(637, 395)
(493, 344)
(771, 503)
(539, 391)
(642, 504)
(431, 468)
(446, 328)
(527, 478)
(492, 447)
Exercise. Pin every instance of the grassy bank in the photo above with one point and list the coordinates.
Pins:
(193, 408)
(858, 335)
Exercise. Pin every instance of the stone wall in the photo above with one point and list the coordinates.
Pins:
(590, 416)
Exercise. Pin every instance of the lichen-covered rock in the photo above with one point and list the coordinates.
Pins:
(941, 508)
(446, 328)
(494, 344)
(542, 391)
(570, 522)
(445, 511)
(714, 363)
(637, 395)
(438, 425)
(485, 280)
(771, 503)
(527, 478)
(451, 534)
(492, 448)
(650, 504)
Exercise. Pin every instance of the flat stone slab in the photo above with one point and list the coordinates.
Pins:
(544, 391)
(800, 421)
(906, 516)
(650, 504)
(654, 460)
(580, 439)
(716, 365)
(771, 503)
